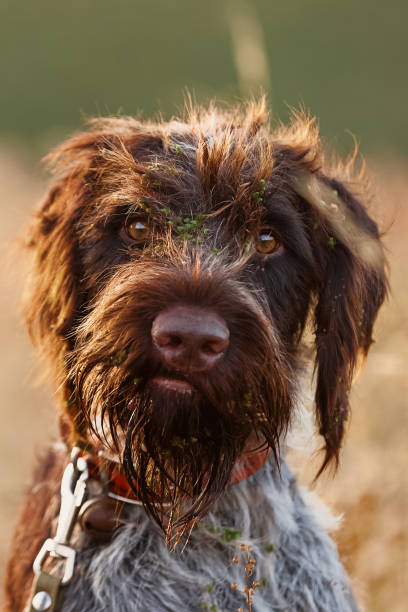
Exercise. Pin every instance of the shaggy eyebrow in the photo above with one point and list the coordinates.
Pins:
(121, 209)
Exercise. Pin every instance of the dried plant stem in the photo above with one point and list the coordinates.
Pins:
(250, 584)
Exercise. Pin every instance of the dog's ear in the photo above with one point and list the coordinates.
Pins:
(350, 269)
(51, 298)
(350, 289)
(84, 166)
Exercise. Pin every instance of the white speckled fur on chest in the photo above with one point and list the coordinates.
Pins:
(296, 560)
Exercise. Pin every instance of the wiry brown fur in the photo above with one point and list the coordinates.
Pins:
(91, 298)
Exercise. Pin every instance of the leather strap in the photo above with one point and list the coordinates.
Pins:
(47, 595)
(101, 516)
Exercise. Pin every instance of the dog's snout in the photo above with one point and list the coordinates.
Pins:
(190, 338)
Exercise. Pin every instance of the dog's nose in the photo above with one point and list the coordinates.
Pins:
(190, 338)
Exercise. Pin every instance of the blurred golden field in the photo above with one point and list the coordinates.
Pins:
(371, 486)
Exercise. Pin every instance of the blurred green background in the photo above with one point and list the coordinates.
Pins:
(346, 61)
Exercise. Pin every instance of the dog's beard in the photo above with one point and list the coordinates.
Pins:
(179, 452)
(178, 448)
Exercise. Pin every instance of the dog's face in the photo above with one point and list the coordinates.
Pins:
(175, 268)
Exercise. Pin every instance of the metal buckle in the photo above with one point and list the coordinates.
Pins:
(60, 550)
(73, 492)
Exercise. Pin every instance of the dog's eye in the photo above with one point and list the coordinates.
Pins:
(266, 243)
(138, 229)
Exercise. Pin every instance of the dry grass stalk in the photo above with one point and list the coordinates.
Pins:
(250, 584)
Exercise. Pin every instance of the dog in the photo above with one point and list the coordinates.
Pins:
(184, 276)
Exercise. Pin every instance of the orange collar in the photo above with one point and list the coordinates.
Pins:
(247, 464)
(111, 475)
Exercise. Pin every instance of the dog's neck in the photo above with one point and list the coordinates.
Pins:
(105, 466)
(111, 496)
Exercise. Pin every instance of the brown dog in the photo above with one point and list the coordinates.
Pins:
(175, 267)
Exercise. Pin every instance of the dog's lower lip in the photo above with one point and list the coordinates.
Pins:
(175, 384)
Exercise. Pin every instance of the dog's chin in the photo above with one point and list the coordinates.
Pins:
(174, 405)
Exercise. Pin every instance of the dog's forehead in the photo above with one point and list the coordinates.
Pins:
(217, 174)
